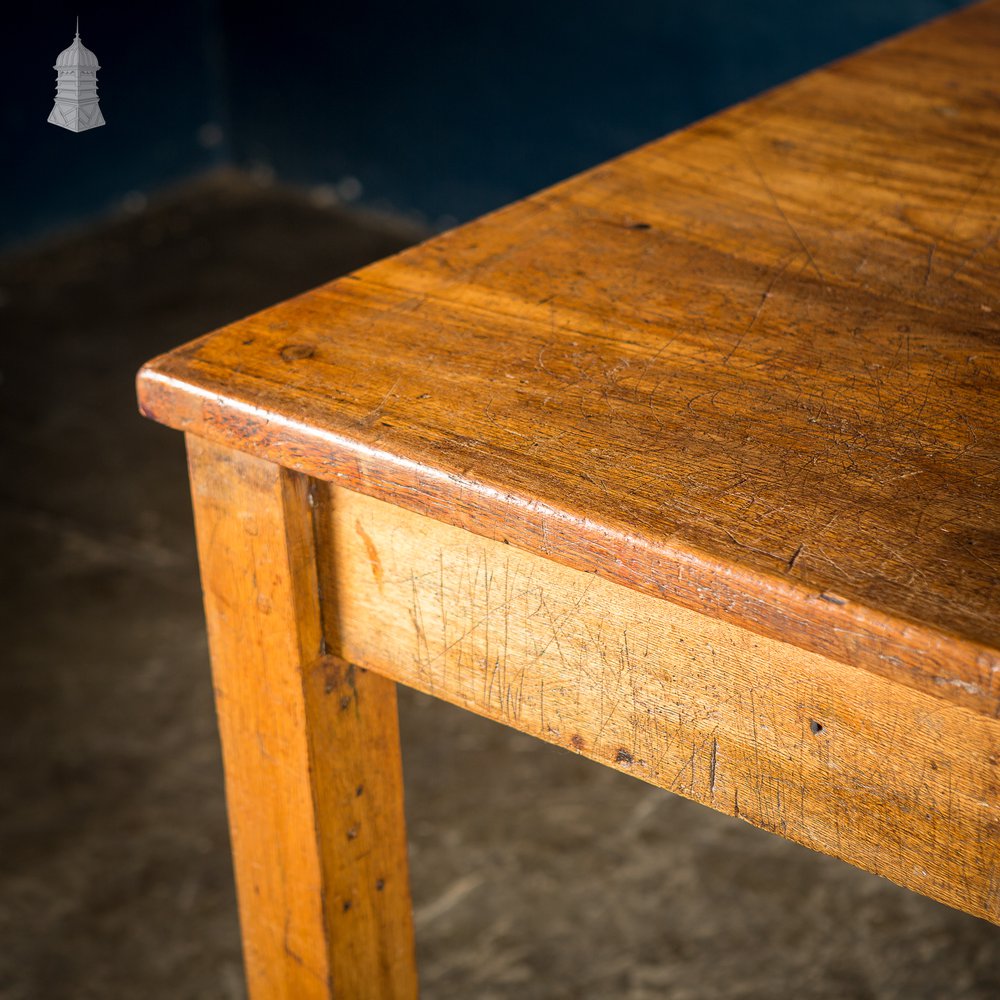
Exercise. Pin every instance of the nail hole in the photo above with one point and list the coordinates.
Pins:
(347, 905)
(816, 727)
(352, 833)
(380, 884)
(359, 790)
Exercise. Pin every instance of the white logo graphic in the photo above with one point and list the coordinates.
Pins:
(76, 106)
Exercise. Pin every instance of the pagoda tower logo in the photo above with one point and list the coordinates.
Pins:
(76, 106)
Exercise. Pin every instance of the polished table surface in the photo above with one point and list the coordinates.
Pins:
(751, 367)
(751, 370)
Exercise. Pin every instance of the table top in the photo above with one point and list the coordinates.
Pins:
(751, 367)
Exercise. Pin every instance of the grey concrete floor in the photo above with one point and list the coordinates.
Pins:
(536, 874)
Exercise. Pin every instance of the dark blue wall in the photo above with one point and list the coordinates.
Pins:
(442, 109)
(159, 82)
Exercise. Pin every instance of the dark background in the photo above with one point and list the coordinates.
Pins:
(442, 111)
(536, 874)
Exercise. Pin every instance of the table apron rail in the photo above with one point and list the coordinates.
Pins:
(879, 774)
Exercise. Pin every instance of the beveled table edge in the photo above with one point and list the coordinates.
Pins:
(956, 668)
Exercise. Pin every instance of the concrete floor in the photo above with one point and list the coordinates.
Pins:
(535, 873)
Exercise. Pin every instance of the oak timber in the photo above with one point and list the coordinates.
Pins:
(310, 747)
(848, 763)
(751, 368)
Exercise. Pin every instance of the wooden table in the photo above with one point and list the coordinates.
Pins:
(688, 464)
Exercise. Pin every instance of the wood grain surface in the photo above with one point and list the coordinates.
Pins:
(310, 745)
(751, 368)
(848, 763)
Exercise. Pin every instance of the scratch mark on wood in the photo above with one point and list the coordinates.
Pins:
(787, 221)
(760, 307)
(374, 415)
(373, 557)
(930, 262)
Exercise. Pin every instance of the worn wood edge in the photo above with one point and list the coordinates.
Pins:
(282, 920)
(890, 780)
(956, 667)
(951, 667)
(315, 921)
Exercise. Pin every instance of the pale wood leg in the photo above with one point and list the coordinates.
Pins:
(310, 745)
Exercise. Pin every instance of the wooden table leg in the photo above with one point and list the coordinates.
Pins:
(310, 745)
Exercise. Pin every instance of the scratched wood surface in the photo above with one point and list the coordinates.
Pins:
(310, 745)
(848, 763)
(751, 368)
